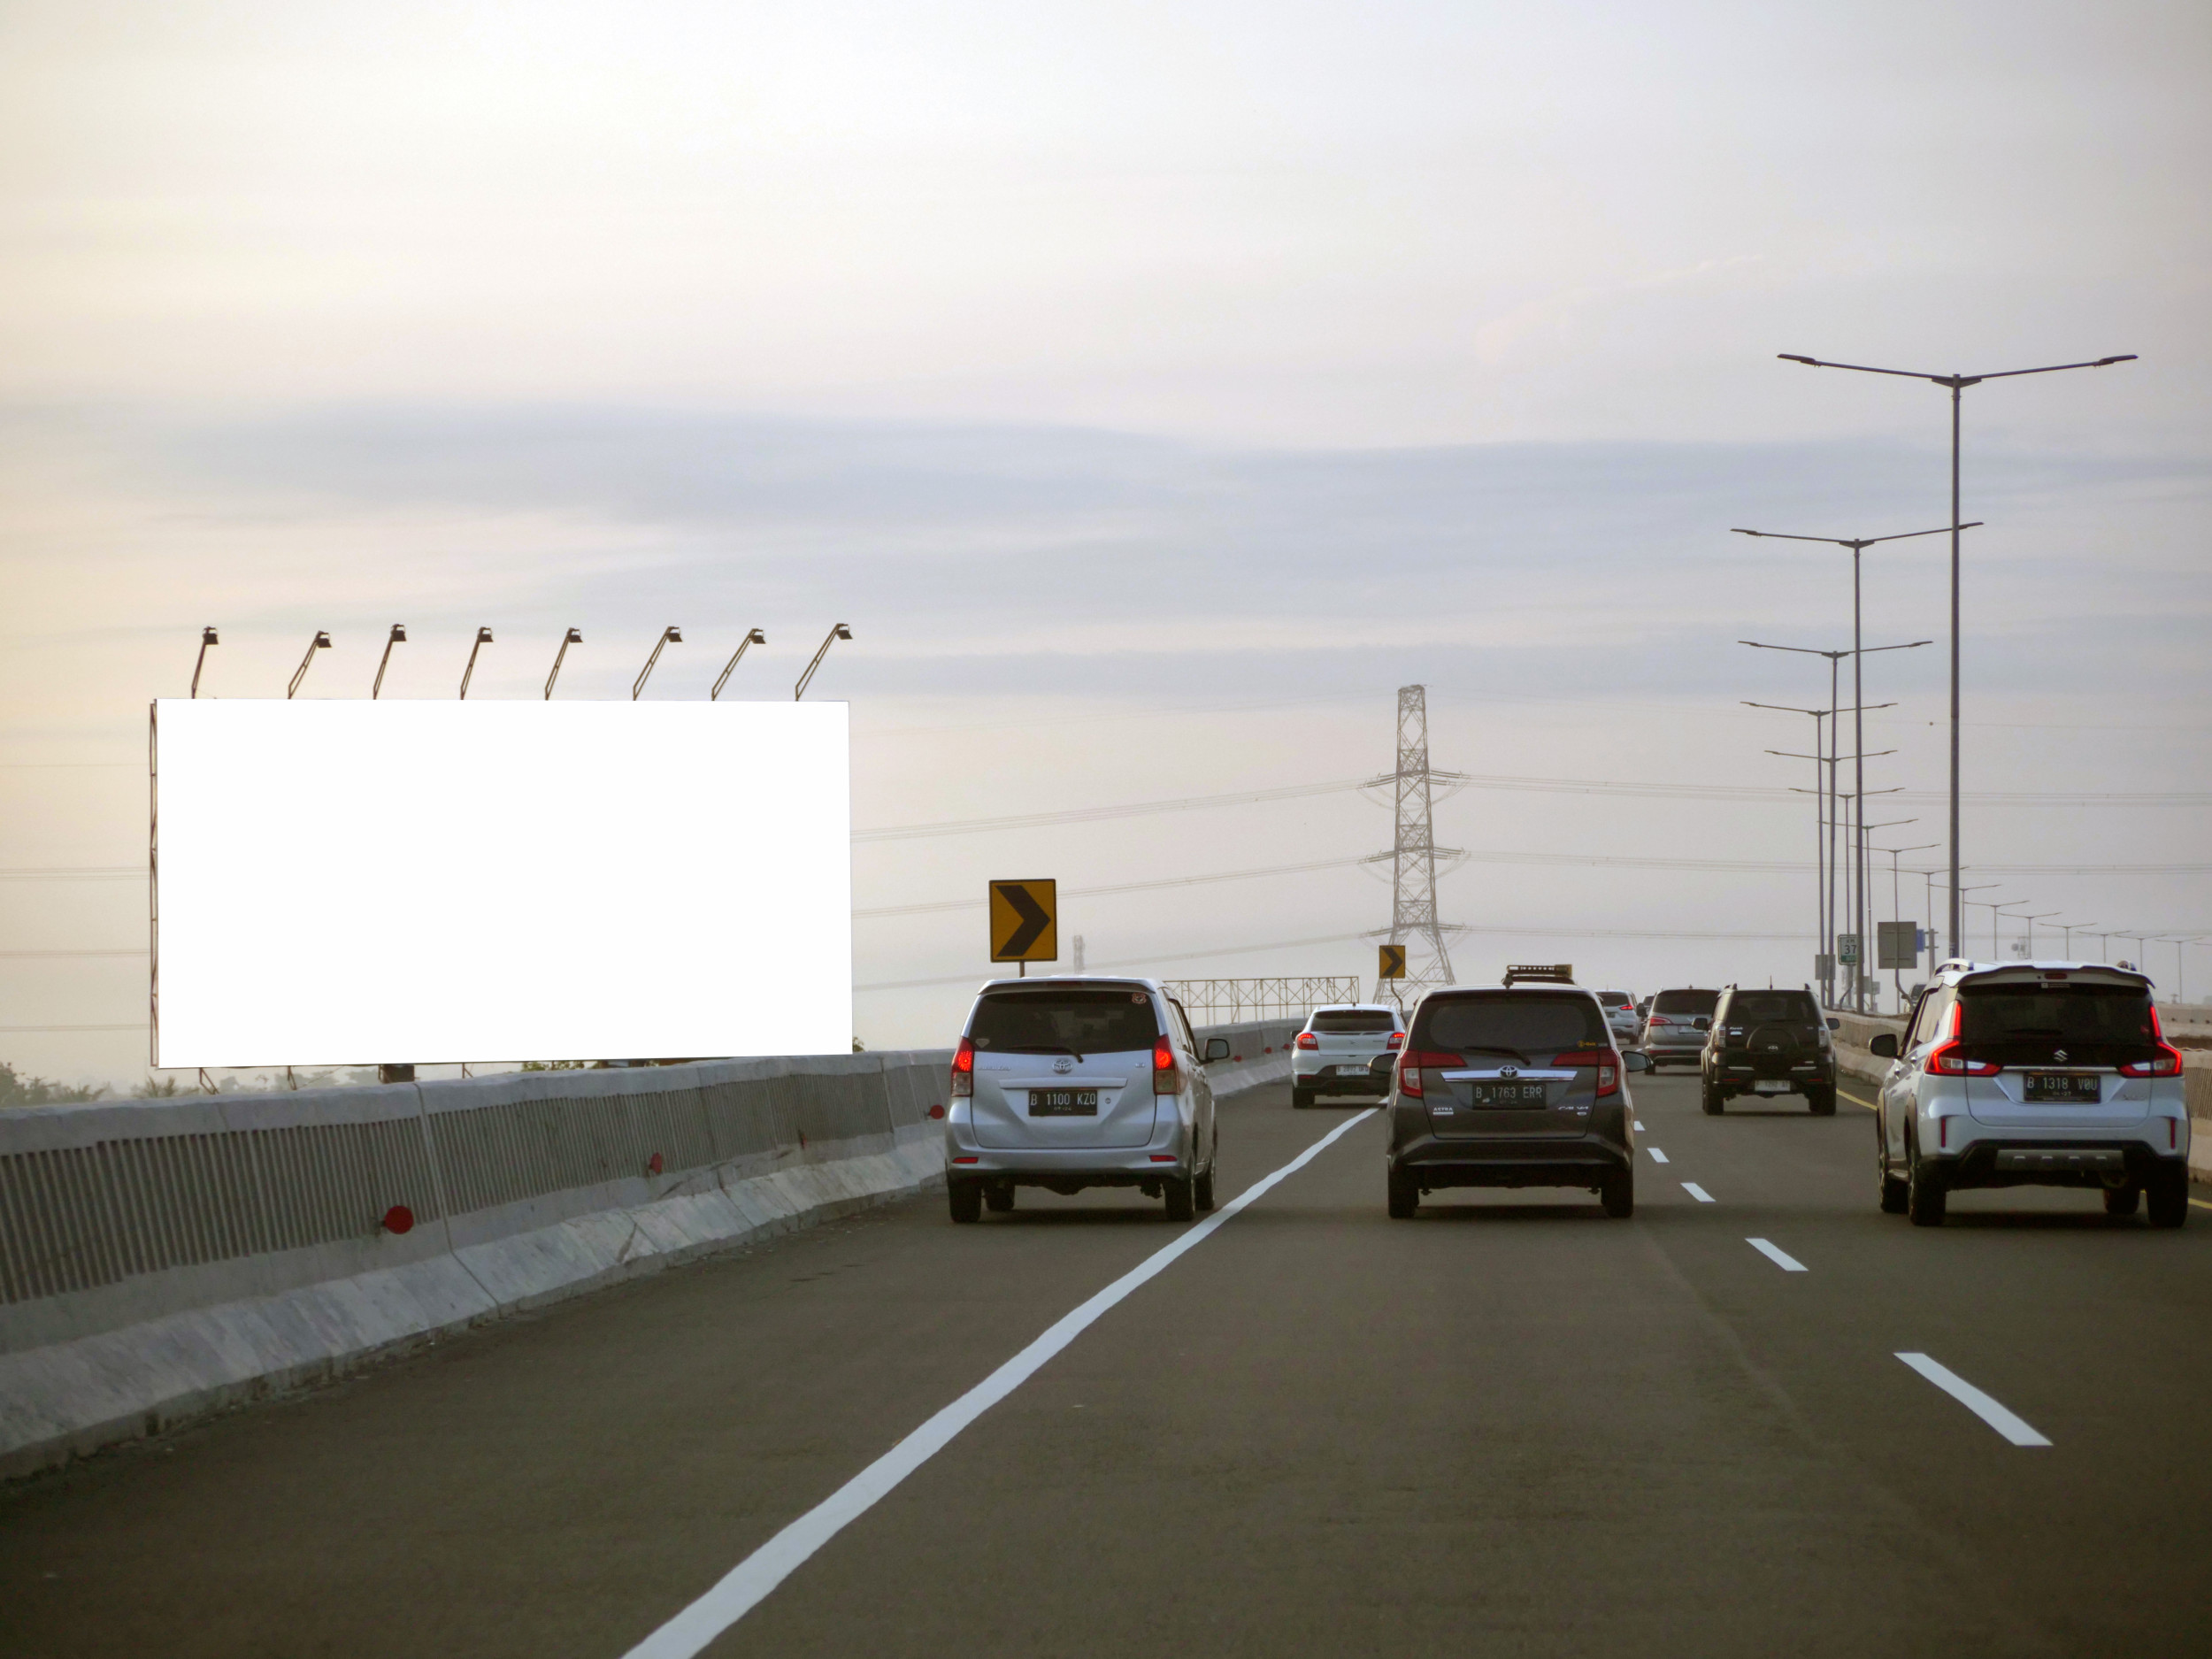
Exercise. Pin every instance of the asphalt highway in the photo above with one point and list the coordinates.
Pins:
(1509, 1426)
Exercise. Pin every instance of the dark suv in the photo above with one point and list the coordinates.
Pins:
(1769, 1042)
(1520, 1086)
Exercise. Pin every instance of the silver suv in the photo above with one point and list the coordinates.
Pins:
(1070, 1082)
(1519, 1087)
(1336, 1052)
(1675, 1027)
(2050, 1073)
(1620, 1014)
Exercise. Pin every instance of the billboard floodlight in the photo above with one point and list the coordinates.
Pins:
(754, 637)
(320, 642)
(207, 638)
(841, 632)
(669, 635)
(483, 638)
(398, 636)
(574, 636)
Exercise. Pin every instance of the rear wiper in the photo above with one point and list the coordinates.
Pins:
(1032, 1048)
(1478, 1048)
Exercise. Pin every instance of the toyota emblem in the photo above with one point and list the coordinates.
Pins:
(1064, 1064)
(1508, 1071)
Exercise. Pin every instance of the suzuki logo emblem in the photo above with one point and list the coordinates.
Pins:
(1064, 1065)
(2058, 1054)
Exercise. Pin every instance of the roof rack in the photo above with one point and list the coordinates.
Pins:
(1540, 973)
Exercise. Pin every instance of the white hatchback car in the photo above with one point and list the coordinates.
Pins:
(2046, 1073)
(1621, 1017)
(1076, 1081)
(1336, 1052)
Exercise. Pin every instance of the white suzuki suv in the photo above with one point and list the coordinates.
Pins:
(2050, 1073)
(1070, 1082)
(1336, 1052)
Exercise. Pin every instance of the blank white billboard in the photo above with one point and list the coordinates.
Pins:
(348, 883)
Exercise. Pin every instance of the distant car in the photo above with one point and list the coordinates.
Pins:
(1077, 1081)
(1335, 1053)
(1518, 1087)
(1621, 1015)
(1677, 1023)
(2049, 1073)
(1769, 1042)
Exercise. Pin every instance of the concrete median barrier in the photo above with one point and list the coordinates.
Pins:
(163, 1260)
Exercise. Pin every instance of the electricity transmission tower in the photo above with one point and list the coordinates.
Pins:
(1413, 919)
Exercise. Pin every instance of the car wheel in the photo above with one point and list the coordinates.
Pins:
(1927, 1192)
(1405, 1197)
(967, 1200)
(1708, 1097)
(2122, 1201)
(1618, 1193)
(1000, 1198)
(1202, 1189)
(1822, 1101)
(1181, 1204)
(2167, 1191)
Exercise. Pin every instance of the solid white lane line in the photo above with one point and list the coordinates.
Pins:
(746, 1584)
(1782, 1259)
(2007, 1424)
(1699, 1193)
(1657, 1157)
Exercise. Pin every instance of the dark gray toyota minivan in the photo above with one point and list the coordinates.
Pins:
(1518, 1087)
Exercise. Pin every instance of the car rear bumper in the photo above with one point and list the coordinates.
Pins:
(1166, 1154)
(1535, 1161)
(1323, 1078)
(2040, 1161)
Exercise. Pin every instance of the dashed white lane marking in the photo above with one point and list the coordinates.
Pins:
(1699, 1193)
(1657, 1157)
(746, 1584)
(1640, 1128)
(1782, 1259)
(2006, 1422)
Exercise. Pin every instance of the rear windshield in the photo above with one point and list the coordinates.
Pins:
(1797, 1007)
(1353, 1019)
(2017, 1025)
(1102, 1021)
(1513, 1023)
(1615, 999)
(1684, 1001)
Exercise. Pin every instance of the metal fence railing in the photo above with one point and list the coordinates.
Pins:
(1225, 1001)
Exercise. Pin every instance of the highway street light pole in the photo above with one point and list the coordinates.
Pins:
(1897, 906)
(841, 632)
(1957, 383)
(669, 635)
(1822, 910)
(753, 637)
(2068, 929)
(2041, 916)
(398, 636)
(207, 638)
(1858, 545)
(483, 638)
(573, 636)
(320, 642)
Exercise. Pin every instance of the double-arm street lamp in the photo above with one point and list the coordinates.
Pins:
(1957, 384)
(1858, 545)
(1897, 903)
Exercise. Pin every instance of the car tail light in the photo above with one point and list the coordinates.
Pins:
(1167, 1077)
(1396, 1039)
(1410, 1064)
(1306, 1040)
(964, 1069)
(1607, 1062)
(2165, 1063)
(1949, 1062)
(1659, 1019)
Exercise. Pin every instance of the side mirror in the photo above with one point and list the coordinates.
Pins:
(1835, 1025)
(1884, 1045)
(1636, 1060)
(1217, 1049)
(1380, 1066)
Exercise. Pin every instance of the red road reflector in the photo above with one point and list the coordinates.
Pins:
(399, 1218)
(937, 1110)
(653, 1165)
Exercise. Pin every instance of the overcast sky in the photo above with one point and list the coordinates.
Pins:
(1153, 390)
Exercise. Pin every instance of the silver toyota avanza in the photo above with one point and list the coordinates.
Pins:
(1071, 1082)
